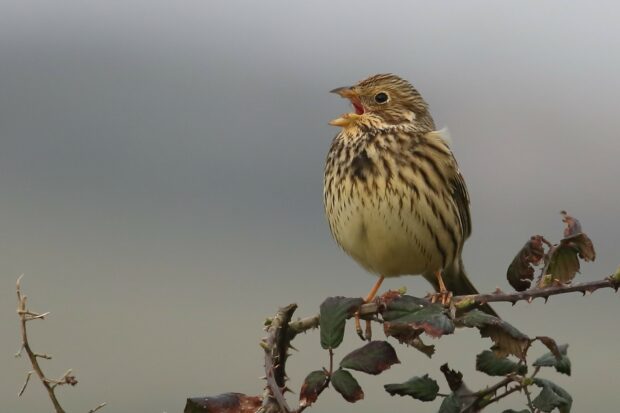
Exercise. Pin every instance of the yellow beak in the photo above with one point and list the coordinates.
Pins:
(345, 120)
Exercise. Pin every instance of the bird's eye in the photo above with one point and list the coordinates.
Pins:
(381, 97)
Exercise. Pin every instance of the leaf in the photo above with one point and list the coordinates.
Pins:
(345, 384)
(223, 403)
(453, 377)
(314, 384)
(488, 362)
(550, 344)
(333, 314)
(419, 345)
(422, 388)
(562, 263)
(450, 404)
(573, 226)
(561, 364)
(373, 358)
(506, 338)
(552, 396)
(521, 270)
(406, 317)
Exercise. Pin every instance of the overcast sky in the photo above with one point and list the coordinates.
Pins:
(161, 170)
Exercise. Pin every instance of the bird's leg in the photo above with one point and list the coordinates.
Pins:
(371, 295)
(444, 294)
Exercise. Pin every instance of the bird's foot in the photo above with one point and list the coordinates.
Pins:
(444, 297)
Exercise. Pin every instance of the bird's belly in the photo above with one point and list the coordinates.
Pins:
(385, 238)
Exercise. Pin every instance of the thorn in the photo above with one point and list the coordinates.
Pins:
(530, 299)
(546, 299)
(291, 347)
(262, 378)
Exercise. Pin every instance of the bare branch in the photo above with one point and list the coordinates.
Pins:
(50, 385)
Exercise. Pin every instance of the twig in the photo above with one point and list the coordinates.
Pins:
(529, 399)
(25, 383)
(50, 385)
(101, 406)
(24, 316)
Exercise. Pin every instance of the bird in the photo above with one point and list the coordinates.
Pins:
(394, 197)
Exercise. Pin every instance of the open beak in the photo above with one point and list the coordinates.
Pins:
(348, 118)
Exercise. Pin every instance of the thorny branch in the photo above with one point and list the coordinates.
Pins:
(50, 385)
(466, 301)
(276, 346)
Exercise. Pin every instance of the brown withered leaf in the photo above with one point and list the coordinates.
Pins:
(521, 270)
(453, 377)
(573, 226)
(562, 260)
(223, 403)
(506, 338)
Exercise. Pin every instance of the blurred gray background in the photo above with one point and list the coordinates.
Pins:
(161, 171)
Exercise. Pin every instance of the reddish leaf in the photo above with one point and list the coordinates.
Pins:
(347, 386)
(406, 317)
(223, 403)
(373, 358)
(314, 384)
(521, 270)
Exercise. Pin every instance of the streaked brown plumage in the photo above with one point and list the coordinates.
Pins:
(394, 197)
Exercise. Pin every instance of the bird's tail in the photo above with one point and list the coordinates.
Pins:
(456, 281)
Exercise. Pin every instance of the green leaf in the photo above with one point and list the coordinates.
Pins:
(345, 384)
(422, 388)
(313, 385)
(488, 362)
(406, 317)
(373, 358)
(450, 404)
(562, 265)
(562, 365)
(521, 271)
(226, 402)
(552, 396)
(333, 314)
(506, 338)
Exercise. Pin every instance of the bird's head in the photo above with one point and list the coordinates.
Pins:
(386, 98)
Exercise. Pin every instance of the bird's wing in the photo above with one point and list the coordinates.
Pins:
(459, 193)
